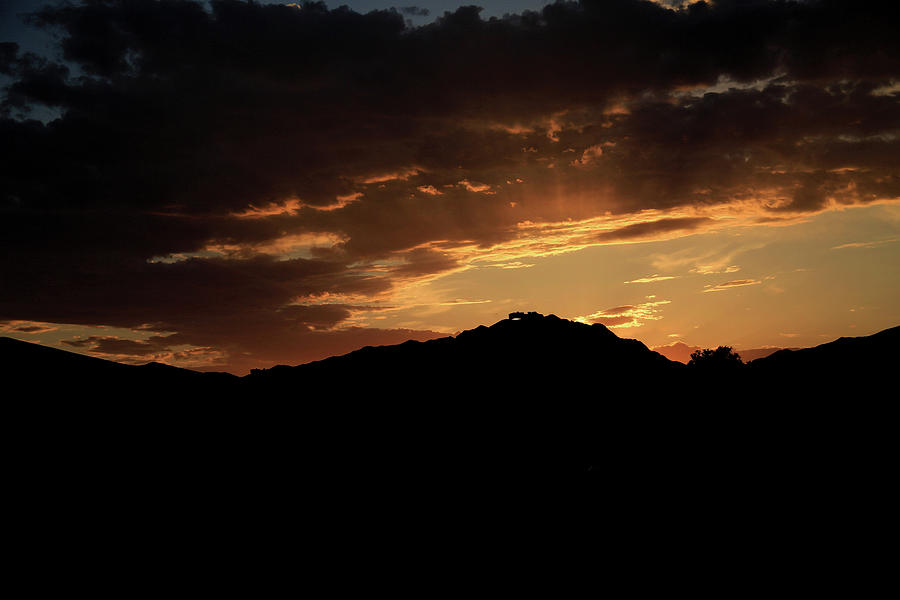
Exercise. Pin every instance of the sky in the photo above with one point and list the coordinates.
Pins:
(226, 185)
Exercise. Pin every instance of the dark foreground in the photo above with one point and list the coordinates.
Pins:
(522, 396)
(531, 417)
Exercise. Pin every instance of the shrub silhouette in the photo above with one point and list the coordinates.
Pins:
(722, 358)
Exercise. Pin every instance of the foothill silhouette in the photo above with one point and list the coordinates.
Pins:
(531, 396)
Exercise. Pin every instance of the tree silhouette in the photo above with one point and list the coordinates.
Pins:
(721, 359)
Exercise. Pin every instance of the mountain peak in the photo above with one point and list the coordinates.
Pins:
(513, 353)
(529, 316)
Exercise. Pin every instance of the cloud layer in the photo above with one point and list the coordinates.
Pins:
(253, 176)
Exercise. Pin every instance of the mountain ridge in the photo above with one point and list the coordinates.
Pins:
(492, 404)
(510, 344)
(512, 340)
(18, 358)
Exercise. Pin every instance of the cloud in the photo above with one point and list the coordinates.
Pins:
(654, 228)
(415, 11)
(714, 269)
(729, 285)
(872, 244)
(652, 279)
(632, 315)
(26, 327)
(119, 346)
(430, 190)
(510, 265)
(286, 207)
(462, 302)
(474, 187)
(154, 349)
(293, 335)
(618, 310)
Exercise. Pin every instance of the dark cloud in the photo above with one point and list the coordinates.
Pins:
(114, 345)
(614, 321)
(8, 52)
(415, 11)
(176, 117)
(259, 343)
(651, 228)
(18, 327)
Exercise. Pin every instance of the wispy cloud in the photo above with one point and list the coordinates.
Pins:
(652, 278)
(287, 207)
(730, 285)
(399, 175)
(631, 315)
(511, 265)
(714, 269)
(872, 244)
(463, 302)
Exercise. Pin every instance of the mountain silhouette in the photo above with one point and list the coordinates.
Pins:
(528, 393)
(532, 417)
(526, 360)
(40, 366)
(535, 356)
(845, 357)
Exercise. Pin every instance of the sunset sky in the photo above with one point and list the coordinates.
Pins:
(225, 186)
